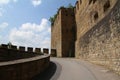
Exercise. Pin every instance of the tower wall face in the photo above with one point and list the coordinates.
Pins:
(89, 13)
(68, 32)
(56, 35)
(63, 33)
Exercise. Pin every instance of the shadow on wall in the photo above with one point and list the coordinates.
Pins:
(51, 73)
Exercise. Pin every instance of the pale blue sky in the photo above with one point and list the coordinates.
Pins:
(26, 22)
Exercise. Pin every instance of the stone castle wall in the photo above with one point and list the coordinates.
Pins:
(88, 13)
(56, 35)
(21, 64)
(24, 69)
(97, 37)
(101, 44)
(68, 32)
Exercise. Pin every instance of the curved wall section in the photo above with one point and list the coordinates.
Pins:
(23, 69)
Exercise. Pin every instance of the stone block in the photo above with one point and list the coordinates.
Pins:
(45, 50)
(30, 49)
(37, 50)
(14, 47)
(21, 48)
(4, 46)
(53, 52)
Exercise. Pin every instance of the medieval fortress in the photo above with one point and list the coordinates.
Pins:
(90, 31)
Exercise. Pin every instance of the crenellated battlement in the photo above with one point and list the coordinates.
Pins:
(16, 62)
(20, 48)
(26, 49)
(12, 52)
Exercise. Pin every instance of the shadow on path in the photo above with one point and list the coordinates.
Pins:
(51, 73)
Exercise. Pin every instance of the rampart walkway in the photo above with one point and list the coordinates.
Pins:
(74, 69)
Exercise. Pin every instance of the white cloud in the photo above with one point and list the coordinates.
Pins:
(3, 25)
(35, 27)
(31, 34)
(4, 2)
(36, 2)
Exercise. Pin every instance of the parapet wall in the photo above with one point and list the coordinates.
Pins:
(11, 52)
(101, 44)
(23, 69)
(19, 64)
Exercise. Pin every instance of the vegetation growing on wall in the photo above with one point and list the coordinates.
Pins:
(52, 19)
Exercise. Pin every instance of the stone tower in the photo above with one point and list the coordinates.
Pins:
(63, 33)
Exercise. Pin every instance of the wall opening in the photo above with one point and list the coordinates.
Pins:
(106, 5)
(80, 1)
(90, 1)
(96, 16)
(94, 1)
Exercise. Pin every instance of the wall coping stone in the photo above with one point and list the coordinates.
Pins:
(23, 60)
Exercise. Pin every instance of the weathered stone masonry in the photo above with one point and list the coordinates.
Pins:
(63, 33)
(101, 44)
(18, 64)
(97, 37)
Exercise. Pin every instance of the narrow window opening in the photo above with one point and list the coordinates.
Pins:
(96, 16)
(94, 1)
(90, 1)
(106, 6)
